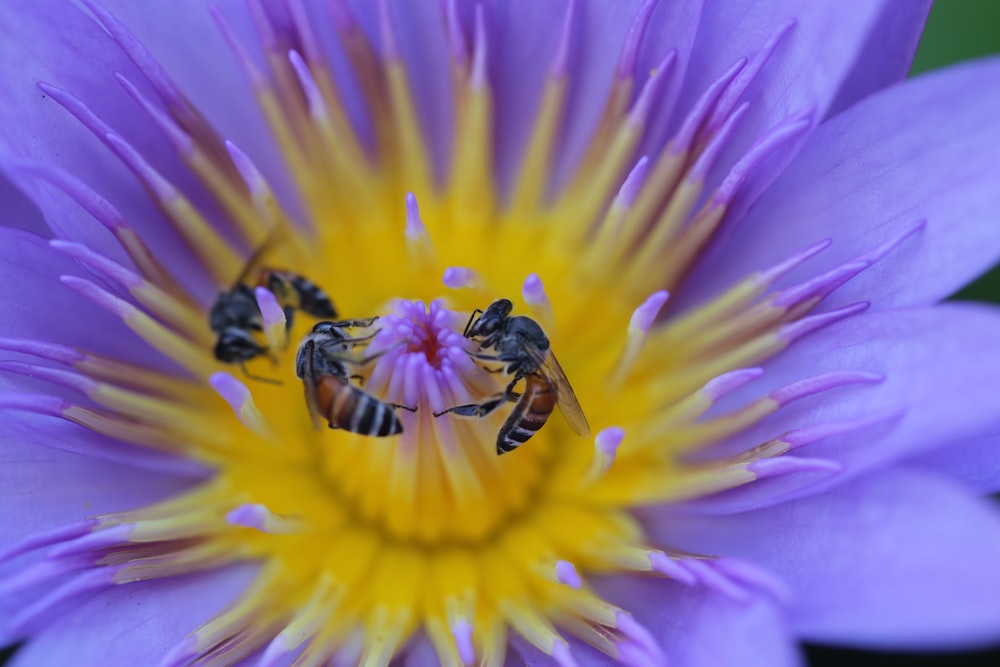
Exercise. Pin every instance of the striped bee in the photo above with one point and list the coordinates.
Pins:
(236, 319)
(322, 363)
(520, 344)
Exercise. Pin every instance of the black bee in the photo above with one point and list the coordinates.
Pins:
(322, 364)
(522, 345)
(236, 319)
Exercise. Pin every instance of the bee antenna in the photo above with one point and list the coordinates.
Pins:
(468, 325)
(258, 378)
(258, 252)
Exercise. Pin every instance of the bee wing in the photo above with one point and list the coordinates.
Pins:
(310, 381)
(565, 397)
(254, 259)
(312, 401)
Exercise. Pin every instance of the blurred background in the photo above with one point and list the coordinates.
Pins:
(957, 30)
(960, 30)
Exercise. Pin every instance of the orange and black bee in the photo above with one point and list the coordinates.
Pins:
(522, 346)
(322, 363)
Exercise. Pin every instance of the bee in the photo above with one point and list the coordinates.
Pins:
(322, 363)
(522, 346)
(236, 319)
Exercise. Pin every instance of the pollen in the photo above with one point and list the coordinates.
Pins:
(365, 542)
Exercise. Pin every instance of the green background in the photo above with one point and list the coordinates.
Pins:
(959, 30)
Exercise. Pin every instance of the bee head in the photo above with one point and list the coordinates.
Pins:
(236, 345)
(492, 319)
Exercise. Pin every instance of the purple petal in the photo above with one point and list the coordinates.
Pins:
(524, 42)
(697, 627)
(902, 559)
(420, 652)
(521, 652)
(40, 430)
(43, 487)
(420, 37)
(886, 57)
(801, 477)
(18, 211)
(924, 150)
(972, 461)
(35, 128)
(939, 387)
(37, 306)
(206, 72)
(805, 72)
(134, 624)
(602, 31)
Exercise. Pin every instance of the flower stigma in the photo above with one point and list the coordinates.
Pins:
(366, 544)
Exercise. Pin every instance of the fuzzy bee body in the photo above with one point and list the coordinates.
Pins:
(520, 344)
(296, 292)
(235, 317)
(236, 320)
(322, 364)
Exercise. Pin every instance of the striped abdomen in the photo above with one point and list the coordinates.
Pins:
(294, 291)
(348, 407)
(312, 299)
(530, 413)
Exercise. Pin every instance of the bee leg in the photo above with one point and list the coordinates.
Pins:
(372, 357)
(403, 407)
(493, 370)
(351, 324)
(343, 357)
(487, 357)
(358, 339)
(258, 378)
(289, 321)
(477, 409)
(509, 392)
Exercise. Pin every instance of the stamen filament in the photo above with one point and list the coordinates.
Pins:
(239, 398)
(533, 293)
(638, 327)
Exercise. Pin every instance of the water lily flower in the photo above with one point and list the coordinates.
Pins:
(731, 221)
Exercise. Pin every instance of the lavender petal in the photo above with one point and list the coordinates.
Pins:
(37, 306)
(883, 562)
(924, 150)
(972, 461)
(805, 71)
(134, 624)
(703, 628)
(18, 211)
(939, 387)
(886, 57)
